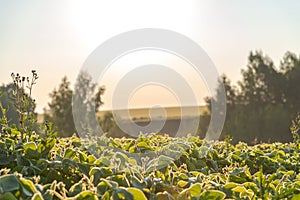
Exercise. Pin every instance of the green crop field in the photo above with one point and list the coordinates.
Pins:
(37, 164)
(48, 167)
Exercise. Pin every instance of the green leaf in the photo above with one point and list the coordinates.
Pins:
(120, 179)
(102, 161)
(67, 162)
(296, 196)
(30, 145)
(124, 193)
(75, 189)
(137, 194)
(86, 195)
(100, 172)
(164, 196)
(182, 183)
(8, 196)
(32, 153)
(239, 189)
(37, 196)
(8, 183)
(84, 168)
(137, 183)
(91, 159)
(159, 163)
(213, 195)
(82, 156)
(31, 150)
(52, 175)
(230, 185)
(183, 195)
(143, 145)
(106, 196)
(103, 187)
(28, 187)
(123, 157)
(69, 153)
(195, 190)
(228, 188)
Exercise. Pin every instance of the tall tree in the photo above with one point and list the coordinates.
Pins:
(87, 99)
(263, 96)
(60, 109)
(290, 67)
(8, 102)
(262, 83)
(265, 102)
(109, 125)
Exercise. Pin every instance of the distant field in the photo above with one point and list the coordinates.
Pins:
(142, 114)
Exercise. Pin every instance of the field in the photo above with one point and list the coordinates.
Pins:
(149, 167)
(142, 114)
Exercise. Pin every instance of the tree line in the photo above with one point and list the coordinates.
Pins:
(260, 107)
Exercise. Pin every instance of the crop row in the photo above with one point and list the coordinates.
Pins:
(148, 167)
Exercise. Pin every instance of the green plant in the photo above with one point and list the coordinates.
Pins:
(295, 130)
(3, 120)
(24, 103)
(62, 168)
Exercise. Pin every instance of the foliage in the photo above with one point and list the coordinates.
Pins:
(295, 129)
(8, 104)
(16, 105)
(16, 102)
(109, 125)
(262, 105)
(62, 168)
(60, 108)
(24, 103)
(87, 100)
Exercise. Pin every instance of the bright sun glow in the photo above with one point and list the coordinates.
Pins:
(128, 62)
(96, 22)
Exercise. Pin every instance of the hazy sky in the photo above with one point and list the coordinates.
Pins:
(55, 37)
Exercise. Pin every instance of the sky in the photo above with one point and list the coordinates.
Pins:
(56, 37)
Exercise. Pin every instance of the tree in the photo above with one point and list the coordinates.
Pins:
(9, 104)
(290, 67)
(231, 102)
(266, 100)
(109, 126)
(263, 98)
(87, 99)
(262, 84)
(60, 109)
